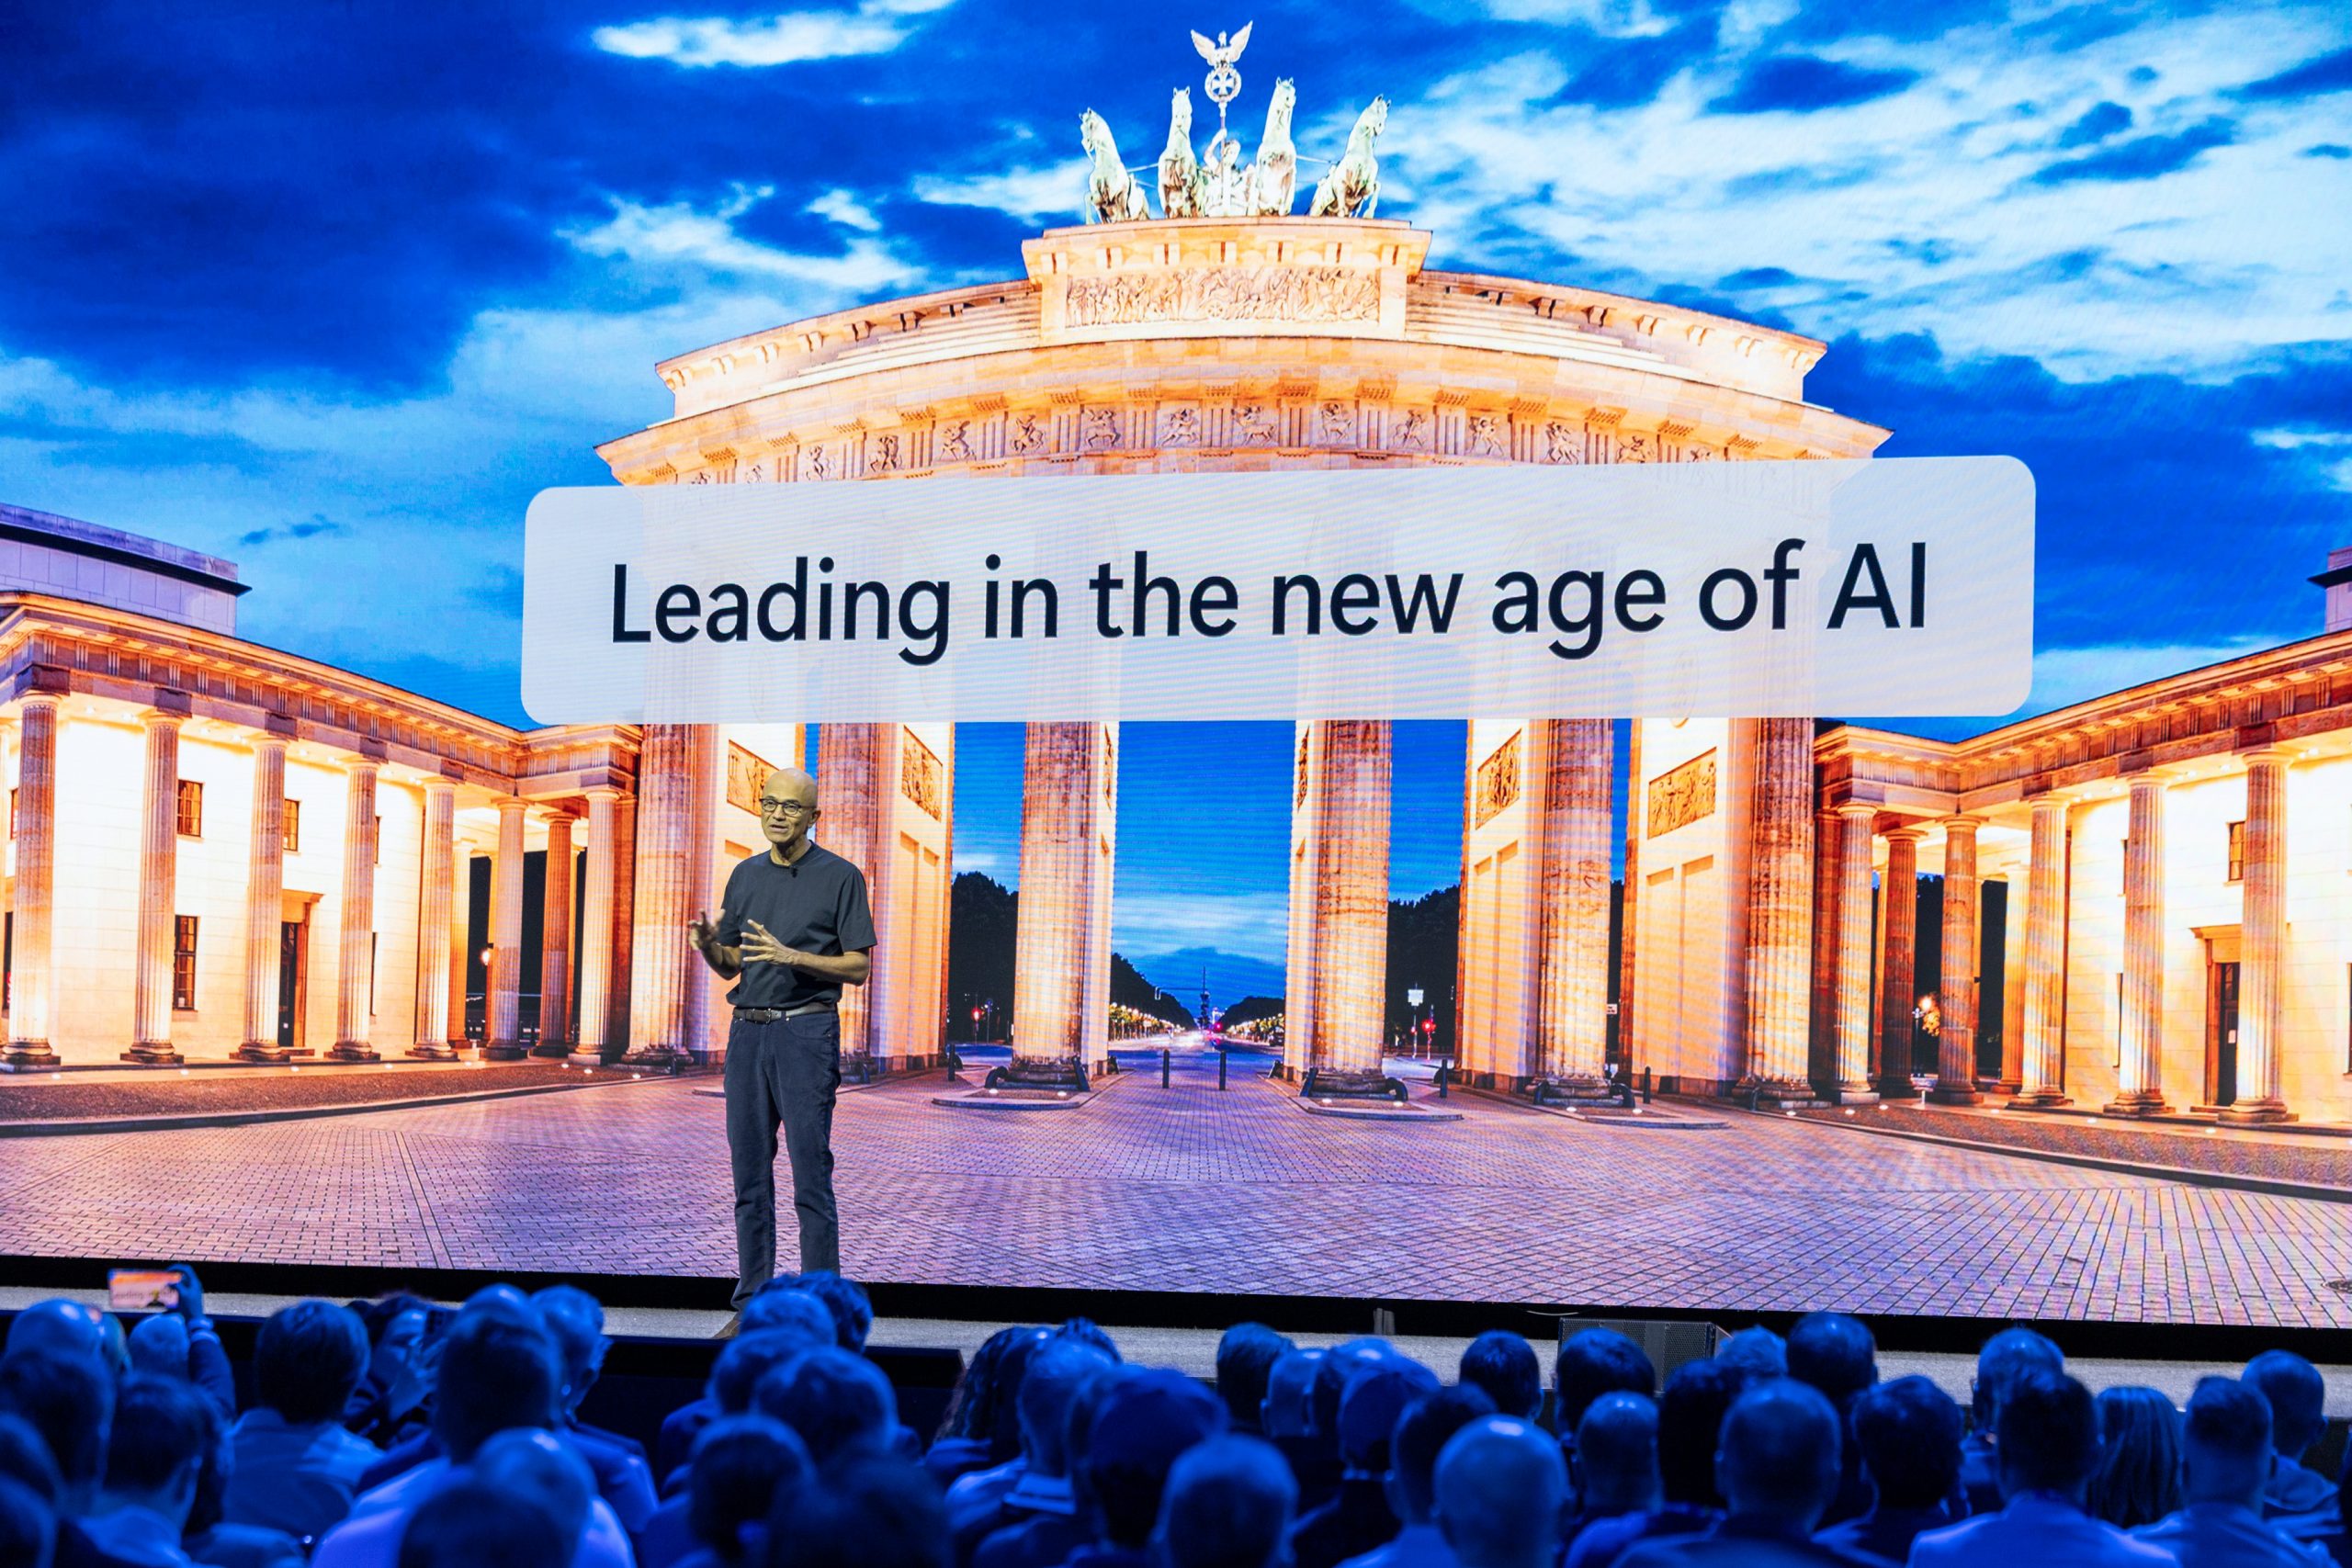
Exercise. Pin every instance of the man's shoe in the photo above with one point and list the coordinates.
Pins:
(731, 1328)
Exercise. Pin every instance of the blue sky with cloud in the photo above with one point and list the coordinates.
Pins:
(333, 290)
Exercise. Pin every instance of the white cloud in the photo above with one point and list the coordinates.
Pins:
(876, 26)
(1255, 925)
(2067, 675)
(1040, 192)
(1611, 18)
(675, 232)
(839, 206)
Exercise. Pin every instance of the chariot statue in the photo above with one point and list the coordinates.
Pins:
(1182, 184)
(1113, 195)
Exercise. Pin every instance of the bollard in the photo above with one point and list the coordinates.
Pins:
(1167, 1057)
(1443, 1069)
(1648, 1086)
(1220, 1071)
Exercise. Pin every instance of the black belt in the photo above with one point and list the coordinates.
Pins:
(771, 1015)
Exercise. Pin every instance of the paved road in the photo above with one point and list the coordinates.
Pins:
(1185, 1188)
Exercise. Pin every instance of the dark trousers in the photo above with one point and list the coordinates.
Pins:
(783, 1074)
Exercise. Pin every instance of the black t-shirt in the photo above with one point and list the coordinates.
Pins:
(815, 904)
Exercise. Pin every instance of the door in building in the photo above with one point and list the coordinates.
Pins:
(290, 947)
(2222, 1033)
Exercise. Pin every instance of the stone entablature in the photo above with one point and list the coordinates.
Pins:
(2300, 692)
(1302, 339)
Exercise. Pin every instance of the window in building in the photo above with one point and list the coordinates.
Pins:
(2237, 851)
(184, 962)
(293, 835)
(191, 804)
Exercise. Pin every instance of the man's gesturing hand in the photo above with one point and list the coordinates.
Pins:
(760, 945)
(701, 933)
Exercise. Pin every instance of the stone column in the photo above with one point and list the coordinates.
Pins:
(461, 937)
(1854, 820)
(2139, 1087)
(1829, 879)
(1956, 1052)
(1629, 911)
(853, 767)
(354, 968)
(555, 944)
(1064, 892)
(436, 901)
(659, 951)
(2044, 1071)
(33, 903)
(503, 1028)
(265, 903)
(1898, 987)
(151, 1039)
(1571, 1022)
(596, 931)
(1780, 914)
(1345, 903)
(2263, 949)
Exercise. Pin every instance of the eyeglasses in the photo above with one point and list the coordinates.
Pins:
(783, 808)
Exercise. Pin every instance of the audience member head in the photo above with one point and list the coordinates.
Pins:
(1375, 1396)
(1504, 1365)
(2298, 1399)
(1055, 1376)
(1617, 1454)
(1003, 1434)
(1333, 1373)
(535, 1466)
(1244, 1357)
(1093, 1335)
(575, 1321)
(845, 1303)
(1759, 1350)
(59, 1327)
(504, 1301)
(159, 1344)
(2006, 1356)
(1229, 1505)
(2047, 1438)
(835, 1402)
(2138, 1481)
(471, 1524)
(307, 1359)
(68, 1401)
(741, 1462)
(1690, 1421)
(498, 1370)
(28, 1526)
(1833, 1353)
(155, 1449)
(1778, 1457)
(735, 1375)
(868, 1511)
(1593, 1363)
(1288, 1382)
(396, 1327)
(1422, 1435)
(1908, 1434)
(25, 1460)
(782, 1307)
(972, 1409)
(1143, 1423)
(1500, 1488)
(2225, 1443)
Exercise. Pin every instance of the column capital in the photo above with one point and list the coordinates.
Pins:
(161, 719)
(1961, 822)
(50, 700)
(1865, 809)
(604, 791)
(1906, 834)
(436, 784)
(2281, 755)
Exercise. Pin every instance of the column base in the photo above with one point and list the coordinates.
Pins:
(552, 1049)
(586, 1057)
(1859, 1092)
(352, 1051)
(664, 1057)
(2039, 1099)
(503, 1051)
(23, 1055)
(1897, 1085)
(154, 1053)
(433, 1051)
(262, 1051)
(2254, 1113)
(2148, 1103)
(1780, 1094)
(1954, 1094)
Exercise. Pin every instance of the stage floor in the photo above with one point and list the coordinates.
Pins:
(1186, 1187)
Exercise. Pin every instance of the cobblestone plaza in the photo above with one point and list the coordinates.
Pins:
(1185, 1188)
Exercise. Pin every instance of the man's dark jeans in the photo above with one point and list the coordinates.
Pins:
(783, 1072)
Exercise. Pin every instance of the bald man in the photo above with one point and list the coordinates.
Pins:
(792, 929)
(1501, 1487)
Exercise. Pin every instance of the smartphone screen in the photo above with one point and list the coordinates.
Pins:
(141, 1290)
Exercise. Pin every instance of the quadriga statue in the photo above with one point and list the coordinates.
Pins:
(1351, 186)
(1113, 195)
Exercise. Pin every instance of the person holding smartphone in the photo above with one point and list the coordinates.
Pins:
(792, 929)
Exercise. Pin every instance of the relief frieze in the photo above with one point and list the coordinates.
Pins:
(1223, 294)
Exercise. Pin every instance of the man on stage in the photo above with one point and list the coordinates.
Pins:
(792, 929)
